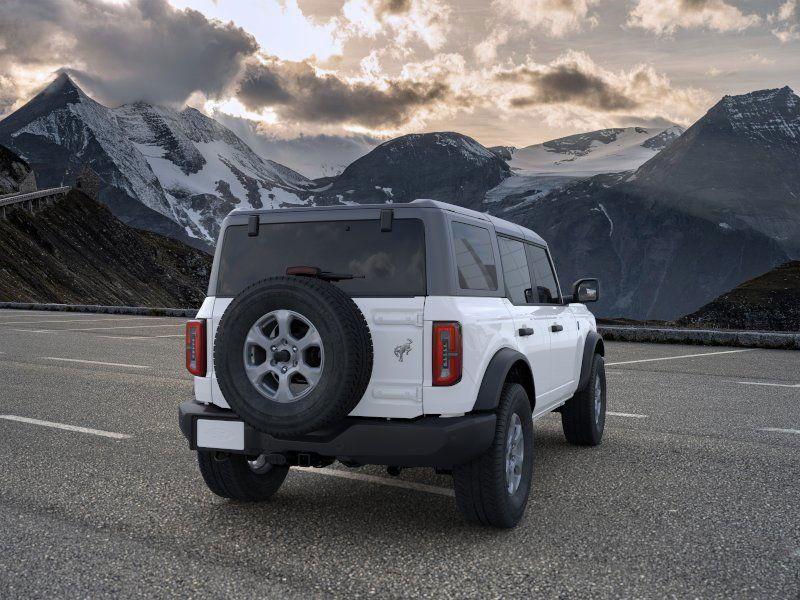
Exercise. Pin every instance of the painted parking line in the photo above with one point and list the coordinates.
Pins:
(93, 362)
(644, 360)
(118, 319)
(409, 485)
(140, 337)
(64, 426)
(624, 414)
(100, 328)
(768, 384)
(779, 430)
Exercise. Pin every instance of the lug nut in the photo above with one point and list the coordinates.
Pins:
(283, 369)
(294, 348)
(273, 348)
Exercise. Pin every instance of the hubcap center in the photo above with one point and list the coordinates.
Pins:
(282, 356)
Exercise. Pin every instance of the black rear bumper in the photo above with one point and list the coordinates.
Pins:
(424, 442)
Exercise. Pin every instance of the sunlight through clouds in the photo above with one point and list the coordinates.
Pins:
(280, 28)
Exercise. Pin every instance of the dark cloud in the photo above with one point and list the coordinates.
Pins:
(141, 50)
(566, 83)
(297, 92)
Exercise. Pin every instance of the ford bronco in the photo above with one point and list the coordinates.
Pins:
(413, 335)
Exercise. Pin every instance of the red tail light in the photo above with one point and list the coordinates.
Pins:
(196, 347)
(447, 353)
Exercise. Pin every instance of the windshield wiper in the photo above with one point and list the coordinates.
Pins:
(318, 273)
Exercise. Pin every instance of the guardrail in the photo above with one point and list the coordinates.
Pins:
(789, 340)
(620, 333)
(48, 195)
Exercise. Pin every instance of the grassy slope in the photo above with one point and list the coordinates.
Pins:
(76, 251)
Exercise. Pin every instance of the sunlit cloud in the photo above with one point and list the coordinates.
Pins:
(664, 17)
(404, 21)
(555, 17)
(787, 23)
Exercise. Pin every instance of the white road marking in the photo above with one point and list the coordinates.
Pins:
(787, 385)
(100, 432)
(409, 485)
(779, 430)
(100, 328)
(623, 414)
(644, 360)
(139, 337)
(94, 362)
(73, 320)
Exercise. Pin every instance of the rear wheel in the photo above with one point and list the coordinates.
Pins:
(583, 417)
(239, 477)
(493, 489)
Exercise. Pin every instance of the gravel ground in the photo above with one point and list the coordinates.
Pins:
(689, 498)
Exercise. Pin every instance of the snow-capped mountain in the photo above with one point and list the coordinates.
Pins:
(176, 172)
(718, 206)
(446, 166)
(542, 168)
(315, 156)
(594, 153)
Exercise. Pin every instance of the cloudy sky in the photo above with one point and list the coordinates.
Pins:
(505, 72)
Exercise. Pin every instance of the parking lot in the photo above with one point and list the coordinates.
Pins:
(694, 492)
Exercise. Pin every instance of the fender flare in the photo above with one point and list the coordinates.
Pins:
(593, 345)
(495, 377)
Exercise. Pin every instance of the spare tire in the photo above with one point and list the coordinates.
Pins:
(292, 355)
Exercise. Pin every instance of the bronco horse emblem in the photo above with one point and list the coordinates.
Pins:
(403, 349)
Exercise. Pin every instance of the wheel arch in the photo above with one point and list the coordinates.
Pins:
(506, 365)
(594, 344)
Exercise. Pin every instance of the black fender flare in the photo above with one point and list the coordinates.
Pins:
(593, 345)
(496, 375)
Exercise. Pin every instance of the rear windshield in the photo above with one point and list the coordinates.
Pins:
(392, 263)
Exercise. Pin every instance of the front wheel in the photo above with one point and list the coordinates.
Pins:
(238, 477)
(583, 417)
(493, 489)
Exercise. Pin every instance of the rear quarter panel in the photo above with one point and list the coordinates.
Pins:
(487, 326)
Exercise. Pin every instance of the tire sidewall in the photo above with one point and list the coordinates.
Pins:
(339, 368)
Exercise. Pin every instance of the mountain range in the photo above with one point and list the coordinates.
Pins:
(667, 219)
(175, 172)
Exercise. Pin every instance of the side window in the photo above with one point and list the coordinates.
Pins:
(542, 273)
(474, 257)
(515, 271)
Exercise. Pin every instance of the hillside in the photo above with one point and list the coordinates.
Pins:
(768, 302)
(76, 251)
(14, 172)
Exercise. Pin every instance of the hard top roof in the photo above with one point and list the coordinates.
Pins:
(500, 225)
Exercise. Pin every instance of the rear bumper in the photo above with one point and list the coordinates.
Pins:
(423, 442)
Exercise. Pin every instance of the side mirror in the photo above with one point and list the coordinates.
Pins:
(585, 290)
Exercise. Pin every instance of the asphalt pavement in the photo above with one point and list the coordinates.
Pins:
(694, 492)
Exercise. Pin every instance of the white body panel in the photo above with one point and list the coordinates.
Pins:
(402, 327)
(395, 388)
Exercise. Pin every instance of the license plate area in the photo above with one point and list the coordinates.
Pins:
(218, 434)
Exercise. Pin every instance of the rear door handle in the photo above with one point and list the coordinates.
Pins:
(555, 328)
(523, 331)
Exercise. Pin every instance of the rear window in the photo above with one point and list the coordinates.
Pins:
(392, 262)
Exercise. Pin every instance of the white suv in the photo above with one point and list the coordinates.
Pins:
(414, 335)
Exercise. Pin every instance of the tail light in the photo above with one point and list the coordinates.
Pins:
(447, 354)
(196, 347)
